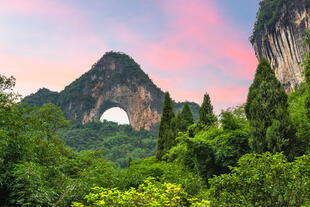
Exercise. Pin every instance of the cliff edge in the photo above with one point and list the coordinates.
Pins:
(278, 36)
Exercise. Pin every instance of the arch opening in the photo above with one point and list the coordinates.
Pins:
(115, 114)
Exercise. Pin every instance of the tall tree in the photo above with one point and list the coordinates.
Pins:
(52, 118)
(183, 119)
(267, 111)
(165, 134)
(187, 115)
(206, 115)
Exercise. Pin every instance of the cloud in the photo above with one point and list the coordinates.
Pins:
(187, 56)
(46, 43)
(198, 36)
(198, 40)
(199, 26)
(34, 73)
(52, 8)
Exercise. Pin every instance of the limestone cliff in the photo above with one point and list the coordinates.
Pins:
(278, 36)
(116, 80)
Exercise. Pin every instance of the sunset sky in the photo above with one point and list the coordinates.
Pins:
(187, 47)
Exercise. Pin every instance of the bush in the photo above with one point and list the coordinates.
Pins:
(263, 180)
(150, 193)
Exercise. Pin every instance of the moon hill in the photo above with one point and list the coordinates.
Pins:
(115, 80)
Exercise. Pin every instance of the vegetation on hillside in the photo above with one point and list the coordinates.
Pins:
(77, 96)
(41, 97)
(166, 134)
(212, 161)
(252, 155)
(37, 169)
(119, 143)
(267, 112)
(150, 193)
(263, 180)
(271, 11)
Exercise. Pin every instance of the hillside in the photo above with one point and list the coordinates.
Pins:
(119, 143)
(278, 35)
(116, 80)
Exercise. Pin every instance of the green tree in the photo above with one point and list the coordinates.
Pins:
(183, 119)
(212, 150)
(267, 111)
(165, 134)
(52, 119)
(150, 193)
(7, 96)
(206, 115)
(187, 115)
(34, 172)
(263, 180)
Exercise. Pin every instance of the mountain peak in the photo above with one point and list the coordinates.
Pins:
(115, 80)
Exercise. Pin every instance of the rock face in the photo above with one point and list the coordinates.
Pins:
(281, 42)
(116, 80)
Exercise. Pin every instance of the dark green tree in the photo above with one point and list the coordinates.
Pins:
(267, 111)
(7, 96)
(52, 119)
(166, 138)
(183, 119)
(206, 115)
(263, 180)
(187, 115)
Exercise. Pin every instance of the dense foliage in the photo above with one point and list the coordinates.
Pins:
(37, 169)
(184, 119)
(211, 150)
(194, 107)
(119, 143)
(41, 97)
(267, 111)
(206, 116)
(166, 138)
(210, 161)
(256, 154)
(263, 180)
(150, 193)
(171, 172)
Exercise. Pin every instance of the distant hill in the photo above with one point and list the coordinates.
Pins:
(116, 80)
(119, 143)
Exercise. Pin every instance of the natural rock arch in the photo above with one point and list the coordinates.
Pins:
(116, 80)
(136, 103)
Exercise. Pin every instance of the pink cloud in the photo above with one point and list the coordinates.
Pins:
(198, 36)
(228, 93)
(222, 95)
(64, 50)
(200, 24)
(36, 7)
(39, 73)
(165, 83)
(165, 58)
